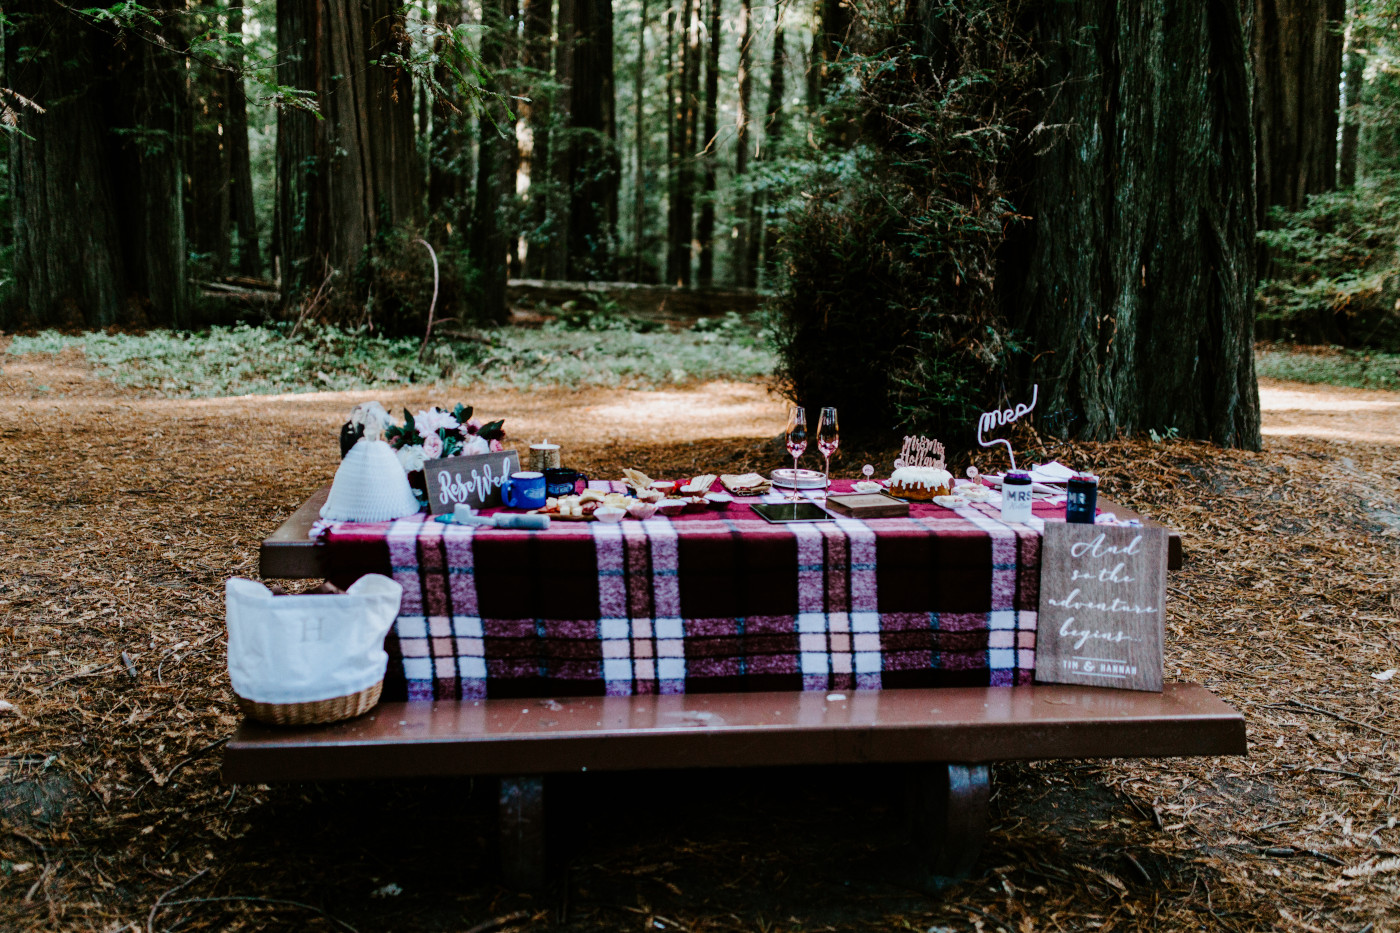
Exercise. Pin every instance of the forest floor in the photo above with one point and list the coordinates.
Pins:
(124, 514)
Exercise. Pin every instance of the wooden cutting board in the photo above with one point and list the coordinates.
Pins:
(868, 505)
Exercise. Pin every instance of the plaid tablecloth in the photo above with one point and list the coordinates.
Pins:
(709, 602)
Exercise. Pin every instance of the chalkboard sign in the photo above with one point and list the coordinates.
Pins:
(1102, 589)
(474, 480)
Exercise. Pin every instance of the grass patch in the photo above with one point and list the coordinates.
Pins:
(1358, 369)
(247, 360)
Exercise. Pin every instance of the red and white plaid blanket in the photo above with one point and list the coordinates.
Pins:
(710, 602)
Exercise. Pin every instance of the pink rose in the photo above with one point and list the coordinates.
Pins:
(497, 447)
(432, 446)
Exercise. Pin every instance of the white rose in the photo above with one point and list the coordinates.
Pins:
(475, 444)
(412, 458)
(372, 417)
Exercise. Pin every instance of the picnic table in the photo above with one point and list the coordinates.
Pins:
(794, 645)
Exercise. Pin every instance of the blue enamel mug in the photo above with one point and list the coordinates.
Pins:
(524, 490)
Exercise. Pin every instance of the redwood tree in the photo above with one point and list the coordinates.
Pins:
(681, 159)
(741, 273)
(351, 174)
(1297, 50)
(95, 180)
(705, 233)
(1133, 281)
(759, 231)
(533, 130)
(594, 167)
(495, 167)
(448, 170)
(219, 201)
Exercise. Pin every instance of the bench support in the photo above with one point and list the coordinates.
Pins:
(522, 831)
(948, 809)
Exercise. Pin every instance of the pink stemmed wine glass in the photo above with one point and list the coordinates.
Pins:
(828, 439)
(796, 443)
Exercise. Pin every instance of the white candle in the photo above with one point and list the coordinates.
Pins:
(544, 456)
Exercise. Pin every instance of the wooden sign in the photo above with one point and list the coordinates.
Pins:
(474, 481)
(1102, 589)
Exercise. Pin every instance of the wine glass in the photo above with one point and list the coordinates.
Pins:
(828, 439)
(796, 443)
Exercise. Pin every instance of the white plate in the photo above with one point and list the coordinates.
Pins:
(799, 479)
(950, 502)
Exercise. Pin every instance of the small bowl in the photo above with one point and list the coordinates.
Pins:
(665, 486)
(670, 507)
(719, 500)
(609, 515)
(642, 510)
(650, 495)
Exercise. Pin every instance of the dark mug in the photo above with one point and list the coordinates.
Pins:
(562, 481)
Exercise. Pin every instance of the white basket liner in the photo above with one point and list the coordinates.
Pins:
(301, 649)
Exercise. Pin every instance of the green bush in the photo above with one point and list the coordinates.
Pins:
(1336, 269)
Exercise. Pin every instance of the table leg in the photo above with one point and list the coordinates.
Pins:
(948, 807)
(521, 826)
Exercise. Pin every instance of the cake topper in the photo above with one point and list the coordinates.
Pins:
(991, 420)
(921, 452)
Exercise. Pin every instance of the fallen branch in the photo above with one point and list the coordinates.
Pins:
(1339, 716)
(498, 922)
(247, 899)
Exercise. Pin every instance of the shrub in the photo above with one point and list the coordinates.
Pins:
(1337, 273)
(886, 307)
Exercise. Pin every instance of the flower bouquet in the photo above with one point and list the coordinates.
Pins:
(428, 435)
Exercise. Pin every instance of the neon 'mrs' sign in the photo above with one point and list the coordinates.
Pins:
(991, 420)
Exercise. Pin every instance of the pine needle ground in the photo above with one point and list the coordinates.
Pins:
(124, 515)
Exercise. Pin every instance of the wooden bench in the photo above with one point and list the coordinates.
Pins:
(948, 738)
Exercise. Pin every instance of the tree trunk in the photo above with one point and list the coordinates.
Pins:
(495, 168)
(1353, 80)
(832, 31)
(741, 272)
(673, 145)
(1134, 281)
(1297, 52)
(344, 179)
(448, 155)
(682, 206)
(593, 145)
(245, 218)
(707, 157)
(639, 200)
(208, 156)
(561, 142)
(759, 243)
(533, 131)
(95, 181)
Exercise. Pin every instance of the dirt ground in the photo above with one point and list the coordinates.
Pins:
(122, 516)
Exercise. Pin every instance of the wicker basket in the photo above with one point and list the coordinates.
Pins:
(320, 711)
